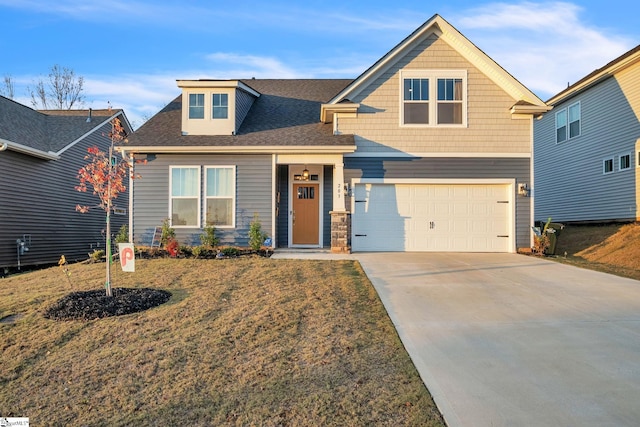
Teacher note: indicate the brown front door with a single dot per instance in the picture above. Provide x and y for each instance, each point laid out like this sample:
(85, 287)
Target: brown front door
(306, 214)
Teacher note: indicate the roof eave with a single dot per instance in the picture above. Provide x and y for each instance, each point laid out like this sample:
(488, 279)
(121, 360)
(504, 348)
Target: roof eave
(327, 111)
(267, 149)
(534, 110)
(597, 76)
(218, 84)
(14, 146)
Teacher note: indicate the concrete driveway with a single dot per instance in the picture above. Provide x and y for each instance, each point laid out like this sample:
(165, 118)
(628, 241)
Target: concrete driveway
(511, 340)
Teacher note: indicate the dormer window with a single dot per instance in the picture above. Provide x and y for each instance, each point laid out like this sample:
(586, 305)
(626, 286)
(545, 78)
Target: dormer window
(196, 106)
(220, 106)
(215, 107)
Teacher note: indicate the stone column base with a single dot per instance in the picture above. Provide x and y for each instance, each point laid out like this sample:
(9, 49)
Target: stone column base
(340, 232)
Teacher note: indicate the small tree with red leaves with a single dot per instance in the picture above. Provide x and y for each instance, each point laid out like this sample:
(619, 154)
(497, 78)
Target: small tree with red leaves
(105, 175)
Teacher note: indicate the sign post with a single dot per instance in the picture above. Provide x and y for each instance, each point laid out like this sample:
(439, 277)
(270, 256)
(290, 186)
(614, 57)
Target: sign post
(127, 257)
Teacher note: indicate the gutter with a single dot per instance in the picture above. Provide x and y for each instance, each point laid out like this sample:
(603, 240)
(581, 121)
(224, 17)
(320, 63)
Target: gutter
(4, 145)
(310, 149)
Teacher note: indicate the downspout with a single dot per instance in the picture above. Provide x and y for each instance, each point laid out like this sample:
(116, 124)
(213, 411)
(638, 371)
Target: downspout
(532, 191)
(131, 162)
(3, 146)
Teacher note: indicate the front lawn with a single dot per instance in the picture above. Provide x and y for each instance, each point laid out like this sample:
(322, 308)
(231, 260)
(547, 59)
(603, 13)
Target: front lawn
(247, 341)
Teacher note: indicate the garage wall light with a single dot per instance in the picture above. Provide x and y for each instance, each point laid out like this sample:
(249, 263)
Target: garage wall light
(523, 189)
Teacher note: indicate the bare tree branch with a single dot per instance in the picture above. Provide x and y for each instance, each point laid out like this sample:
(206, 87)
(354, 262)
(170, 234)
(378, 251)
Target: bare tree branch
(62, 91)
(8, 89)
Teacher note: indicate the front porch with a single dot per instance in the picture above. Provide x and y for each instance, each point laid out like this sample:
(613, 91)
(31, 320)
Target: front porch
(309, 203)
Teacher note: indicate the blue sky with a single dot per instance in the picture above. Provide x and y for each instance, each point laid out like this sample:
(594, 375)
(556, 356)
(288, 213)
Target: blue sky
(130, 52)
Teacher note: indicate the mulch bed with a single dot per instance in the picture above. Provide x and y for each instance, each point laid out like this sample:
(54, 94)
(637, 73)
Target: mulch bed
(88, 305)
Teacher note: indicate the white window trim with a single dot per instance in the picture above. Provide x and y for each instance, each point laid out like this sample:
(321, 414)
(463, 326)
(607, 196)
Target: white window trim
(433, 76)
(233, 197)
(579, 121)
(565, 112)
(171, 197)
(213, 106)
(566, 117)
(613, 165)
(204, 107)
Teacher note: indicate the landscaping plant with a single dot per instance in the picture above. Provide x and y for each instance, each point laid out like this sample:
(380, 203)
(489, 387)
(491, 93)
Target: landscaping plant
(256, 235)
(105, 176)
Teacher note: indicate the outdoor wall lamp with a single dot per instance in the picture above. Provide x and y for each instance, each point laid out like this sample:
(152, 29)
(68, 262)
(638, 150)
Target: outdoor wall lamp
(305, 174)
(523, 189)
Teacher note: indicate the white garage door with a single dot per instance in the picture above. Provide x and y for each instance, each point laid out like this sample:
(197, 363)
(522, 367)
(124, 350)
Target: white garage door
(432, 217)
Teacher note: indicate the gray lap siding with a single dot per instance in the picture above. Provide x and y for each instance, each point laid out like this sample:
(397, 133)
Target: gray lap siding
(253, 196)
(450, 168)
(39, 199)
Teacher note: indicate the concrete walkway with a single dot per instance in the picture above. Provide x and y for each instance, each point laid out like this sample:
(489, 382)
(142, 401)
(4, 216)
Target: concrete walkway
(511, 340)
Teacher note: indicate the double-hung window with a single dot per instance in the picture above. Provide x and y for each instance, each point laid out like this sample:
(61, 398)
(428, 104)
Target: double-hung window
(185, 196)
(196, 105)
(220, 195)
(450, 101)
(416, 101)
(220, 106)
(433, 98)
(568, 123)
(574, 120)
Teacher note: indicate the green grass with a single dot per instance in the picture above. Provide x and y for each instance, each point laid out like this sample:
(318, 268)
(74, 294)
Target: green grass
(248, 341)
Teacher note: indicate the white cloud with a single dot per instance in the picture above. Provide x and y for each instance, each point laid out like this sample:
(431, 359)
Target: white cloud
(234, 65)
(544, 45)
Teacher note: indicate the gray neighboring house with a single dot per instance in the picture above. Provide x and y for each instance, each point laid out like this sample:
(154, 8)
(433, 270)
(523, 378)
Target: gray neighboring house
(40, 155)
(429, 149)
(587, 149)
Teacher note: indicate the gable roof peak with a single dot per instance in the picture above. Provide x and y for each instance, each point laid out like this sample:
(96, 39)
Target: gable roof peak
(439, 26)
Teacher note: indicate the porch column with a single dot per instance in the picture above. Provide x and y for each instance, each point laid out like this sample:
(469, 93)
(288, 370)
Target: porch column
(338, 188)
(340, 218)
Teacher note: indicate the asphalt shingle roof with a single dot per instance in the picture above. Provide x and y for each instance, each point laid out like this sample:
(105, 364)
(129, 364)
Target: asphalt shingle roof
(287, 113)
(46, 130)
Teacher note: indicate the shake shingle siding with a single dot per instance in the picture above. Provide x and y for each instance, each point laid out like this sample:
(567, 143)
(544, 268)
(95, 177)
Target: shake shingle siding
(253, 195)
(569, 181)
(449, 168)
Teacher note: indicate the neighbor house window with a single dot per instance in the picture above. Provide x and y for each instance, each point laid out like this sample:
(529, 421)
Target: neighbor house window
(624, 161)
(561, 126)
(220, 190)
(196, 105)
(220, 105)
(433, 98)
(607, 166)
(568, 123)
(574, 120)
(185, 196)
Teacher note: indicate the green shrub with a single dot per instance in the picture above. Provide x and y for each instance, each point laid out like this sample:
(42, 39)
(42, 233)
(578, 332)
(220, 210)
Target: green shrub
(208, 238)
(256, 235)
(96, 255)
(197, 251)
(230, 251)
(168, 233)
(123, 234)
